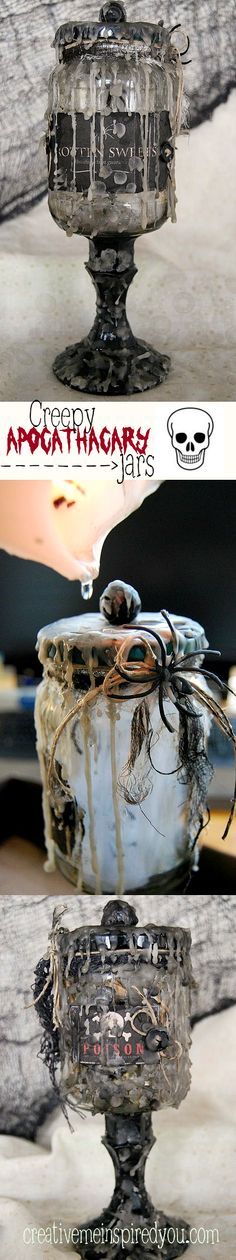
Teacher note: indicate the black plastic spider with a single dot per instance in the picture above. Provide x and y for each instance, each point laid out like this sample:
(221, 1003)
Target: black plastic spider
(169, 678)
(185, 50)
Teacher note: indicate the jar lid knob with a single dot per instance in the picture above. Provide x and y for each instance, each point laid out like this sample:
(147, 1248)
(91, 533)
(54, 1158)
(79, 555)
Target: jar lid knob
(118, 914)
(120, 603)
(112, 12)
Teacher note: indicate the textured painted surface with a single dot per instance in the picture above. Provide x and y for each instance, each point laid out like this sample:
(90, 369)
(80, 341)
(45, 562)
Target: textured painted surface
(129, 1140)
(111, 360)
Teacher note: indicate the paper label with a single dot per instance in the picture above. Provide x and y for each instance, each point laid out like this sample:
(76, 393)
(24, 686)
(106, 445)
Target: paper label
(110, 159)
(111, 1047)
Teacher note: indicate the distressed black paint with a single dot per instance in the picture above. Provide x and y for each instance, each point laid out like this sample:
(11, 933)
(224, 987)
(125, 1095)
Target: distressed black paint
(111, 360)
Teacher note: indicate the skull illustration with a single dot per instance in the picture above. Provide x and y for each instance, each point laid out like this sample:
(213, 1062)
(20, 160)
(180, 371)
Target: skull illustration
(190, 430)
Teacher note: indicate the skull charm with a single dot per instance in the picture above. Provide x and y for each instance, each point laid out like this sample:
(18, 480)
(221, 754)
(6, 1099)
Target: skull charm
(190, 429)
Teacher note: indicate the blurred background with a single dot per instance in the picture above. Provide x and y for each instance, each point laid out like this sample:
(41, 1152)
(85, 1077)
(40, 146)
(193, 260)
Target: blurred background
(179, 551)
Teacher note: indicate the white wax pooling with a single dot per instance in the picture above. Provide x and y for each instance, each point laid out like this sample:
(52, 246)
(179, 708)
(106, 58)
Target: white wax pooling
(64, 524)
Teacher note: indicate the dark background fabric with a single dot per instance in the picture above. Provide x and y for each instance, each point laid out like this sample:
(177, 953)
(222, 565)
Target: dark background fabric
(27, 31)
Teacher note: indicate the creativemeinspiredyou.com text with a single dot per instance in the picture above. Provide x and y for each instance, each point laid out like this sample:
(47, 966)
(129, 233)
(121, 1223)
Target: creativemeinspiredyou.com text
(58, 1234)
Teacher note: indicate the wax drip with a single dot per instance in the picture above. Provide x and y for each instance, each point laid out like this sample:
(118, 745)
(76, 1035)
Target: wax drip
(50, 862)
(119, 845)
(73, 150)
(92, 838)
(93, 71)
(144, 132)
(77, 856)
(56, 144)
(157, 162)
(101, 148)
(87, 589)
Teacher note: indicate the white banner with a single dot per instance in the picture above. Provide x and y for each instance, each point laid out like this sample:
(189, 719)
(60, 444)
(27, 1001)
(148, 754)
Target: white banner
(118, 440)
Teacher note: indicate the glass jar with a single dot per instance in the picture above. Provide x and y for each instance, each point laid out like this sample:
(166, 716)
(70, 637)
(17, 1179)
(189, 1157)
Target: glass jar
(111, 825)
(114, 1003)
(123, 1013)
(113, 115)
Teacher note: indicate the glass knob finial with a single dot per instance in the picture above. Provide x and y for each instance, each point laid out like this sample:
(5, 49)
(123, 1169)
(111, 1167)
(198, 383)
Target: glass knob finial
(118, 914)
(120, 603)
(112, 12)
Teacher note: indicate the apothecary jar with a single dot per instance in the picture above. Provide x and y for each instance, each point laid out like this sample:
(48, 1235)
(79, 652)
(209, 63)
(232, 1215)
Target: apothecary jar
(114, 112)
(122, 799)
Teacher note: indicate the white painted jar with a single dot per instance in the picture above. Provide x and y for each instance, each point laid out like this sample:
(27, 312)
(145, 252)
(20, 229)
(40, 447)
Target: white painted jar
(114, 112)
(98, 839)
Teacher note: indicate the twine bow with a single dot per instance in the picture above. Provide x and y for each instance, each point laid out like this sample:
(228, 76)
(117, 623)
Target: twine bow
(131, 679)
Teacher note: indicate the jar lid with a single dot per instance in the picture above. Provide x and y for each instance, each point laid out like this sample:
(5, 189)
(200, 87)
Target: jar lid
(101, 634)
(111, 26)
(119, 937)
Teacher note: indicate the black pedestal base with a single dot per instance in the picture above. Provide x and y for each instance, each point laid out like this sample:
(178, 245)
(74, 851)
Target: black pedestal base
(127, 371)
(131, 1225)
(110, 360)
(159, 1227)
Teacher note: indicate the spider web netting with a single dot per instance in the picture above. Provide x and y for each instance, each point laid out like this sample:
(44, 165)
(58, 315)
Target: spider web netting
(27, 31)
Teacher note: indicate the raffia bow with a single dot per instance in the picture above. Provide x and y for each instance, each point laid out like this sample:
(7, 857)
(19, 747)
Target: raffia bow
(174, 678)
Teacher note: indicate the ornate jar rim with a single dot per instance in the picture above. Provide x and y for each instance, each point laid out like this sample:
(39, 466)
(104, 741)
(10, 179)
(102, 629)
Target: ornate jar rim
(111, 27)
(119, 934)
(92, 630)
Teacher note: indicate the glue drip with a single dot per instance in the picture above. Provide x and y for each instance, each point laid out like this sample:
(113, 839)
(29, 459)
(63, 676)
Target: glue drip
(87, 589)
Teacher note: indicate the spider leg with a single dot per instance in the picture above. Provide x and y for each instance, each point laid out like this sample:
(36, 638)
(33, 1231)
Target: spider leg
(175, 636)
(231, 814)
(158, 638)
(127, 674)
(187, 692)
(206, 673)
(177, 28)
(179, 681)
(191, 656)
(136, 695)
(162, 711)
(189, 669)
(187, 712)
(209, 703)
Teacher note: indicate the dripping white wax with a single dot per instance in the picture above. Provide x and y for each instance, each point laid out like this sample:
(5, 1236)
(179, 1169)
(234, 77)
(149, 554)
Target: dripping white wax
(130, 85)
